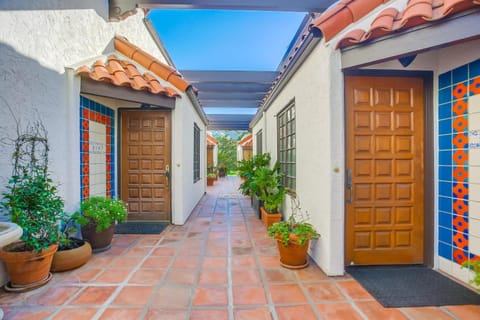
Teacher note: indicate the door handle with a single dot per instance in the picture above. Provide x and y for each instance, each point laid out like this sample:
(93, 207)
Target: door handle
(167, 174)
(348, 185)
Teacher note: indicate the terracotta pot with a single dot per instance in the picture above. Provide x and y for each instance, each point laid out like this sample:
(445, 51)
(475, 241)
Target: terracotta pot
(210, 181)
(69, 259)
(25, 267)
(293, 256)
(268, 218)
(99, 241)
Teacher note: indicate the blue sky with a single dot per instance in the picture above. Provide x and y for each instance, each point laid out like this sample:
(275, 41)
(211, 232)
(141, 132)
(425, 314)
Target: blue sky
(225, 40)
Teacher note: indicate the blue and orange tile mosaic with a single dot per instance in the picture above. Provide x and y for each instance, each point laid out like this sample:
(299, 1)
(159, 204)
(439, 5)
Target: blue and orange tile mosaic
(455, 88)
(91, 111)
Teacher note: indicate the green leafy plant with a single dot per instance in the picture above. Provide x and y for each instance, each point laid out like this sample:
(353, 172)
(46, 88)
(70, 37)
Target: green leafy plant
(295, 229)
(212, 175)
(247, 169)
(101, 211)
(31, 198)
(268, 183)
(65, 238)
(474, 265)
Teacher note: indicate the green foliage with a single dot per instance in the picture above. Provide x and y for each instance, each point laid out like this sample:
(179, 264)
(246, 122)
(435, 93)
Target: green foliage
(212, 175)
(227, 151)
(296, 228)
(474, 265)
(247, 169)
(101, 211)
(268, 182)
(30, 198)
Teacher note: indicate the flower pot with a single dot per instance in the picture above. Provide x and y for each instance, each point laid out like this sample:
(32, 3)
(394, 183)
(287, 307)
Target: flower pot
(293, 256)
(99, 241)
(210, 181)
(268, 218)
(26, 268)
(9, 232)
(69, 259)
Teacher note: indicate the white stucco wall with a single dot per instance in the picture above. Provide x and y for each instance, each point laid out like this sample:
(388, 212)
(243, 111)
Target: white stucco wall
(317, 91)
(37, 49)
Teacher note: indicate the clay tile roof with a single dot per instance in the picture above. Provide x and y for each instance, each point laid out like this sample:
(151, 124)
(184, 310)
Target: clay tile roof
(333, 21)
(246, 141)
(149, 62)
(417, 12)
(211, 141)
(122, 73)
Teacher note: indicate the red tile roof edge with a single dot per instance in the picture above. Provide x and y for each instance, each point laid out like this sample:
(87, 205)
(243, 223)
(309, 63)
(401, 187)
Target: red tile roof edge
(333, 21)
(211, 141)
(417, 12)
(149, 62)
(246, 141)
(123, 73)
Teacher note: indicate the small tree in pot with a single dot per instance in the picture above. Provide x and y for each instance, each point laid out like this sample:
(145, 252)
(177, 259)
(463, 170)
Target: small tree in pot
(97, 218)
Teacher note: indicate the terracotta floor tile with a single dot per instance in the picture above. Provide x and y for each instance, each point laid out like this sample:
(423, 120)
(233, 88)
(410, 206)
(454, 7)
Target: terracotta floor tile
(209, 314)
(99, 261)
(324, 292)
(125, 262)
(93, 296)
(465, 312)
(246, 295)
(427, 313)
(354, 290)
(250, 314)
(287, 293)
(279, 275)
(29, 314)
(121, 313)
(243, 262)
(164, 251)
(55, 296)
(312, 273)
(190, 252)
(137, 252)
(147, 276)
(246, 276)
(177, 276)
(214, 262)
(157, 262)
(186, 262)
(375, 311)
(303, 312)
(213, 277)
(82, 276)
(148, 242)
(75, 313)
(172, 298)
(113, 276)
(214, 296)
(216, 251)
(267, 251)
(157, 314)
(270, 261)
(133, 296)
(339, 311)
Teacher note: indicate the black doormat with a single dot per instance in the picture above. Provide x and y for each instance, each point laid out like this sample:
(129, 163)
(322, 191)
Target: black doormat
(140, 227)
(411, 286)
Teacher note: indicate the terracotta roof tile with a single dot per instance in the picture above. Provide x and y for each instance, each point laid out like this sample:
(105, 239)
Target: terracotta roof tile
(122, 73)
(416, 13)
(246, 141)
(333, 21)
(149, 62)
(211, 141)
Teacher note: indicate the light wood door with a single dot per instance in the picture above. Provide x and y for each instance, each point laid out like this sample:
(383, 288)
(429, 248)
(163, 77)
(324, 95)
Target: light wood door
(145, 161)
(385, 187)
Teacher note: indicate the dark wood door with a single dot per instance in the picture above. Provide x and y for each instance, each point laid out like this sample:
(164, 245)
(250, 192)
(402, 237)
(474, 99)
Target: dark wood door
(145, 162)
(384, 158)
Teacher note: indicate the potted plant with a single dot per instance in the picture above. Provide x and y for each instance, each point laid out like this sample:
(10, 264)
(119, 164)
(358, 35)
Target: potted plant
(474, 265)
(97, 220)
(72, 252)
(31, 201)
(271, 192)
(211, 177)
(293, 238)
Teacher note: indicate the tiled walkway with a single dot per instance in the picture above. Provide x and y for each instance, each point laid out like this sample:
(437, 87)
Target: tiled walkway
(220, 265)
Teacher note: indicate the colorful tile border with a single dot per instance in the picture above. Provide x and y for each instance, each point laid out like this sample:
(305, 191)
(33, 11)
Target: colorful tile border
(93, 111)
(455, 88)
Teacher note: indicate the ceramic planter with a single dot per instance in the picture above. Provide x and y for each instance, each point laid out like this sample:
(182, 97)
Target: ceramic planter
(70, 259)
(269, 219)
(99, 241)
(27, 269)
(210, 181)
(293, 256)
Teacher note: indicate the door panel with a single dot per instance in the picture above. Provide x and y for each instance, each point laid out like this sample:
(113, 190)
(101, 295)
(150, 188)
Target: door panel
(385, 143)
(145, 155)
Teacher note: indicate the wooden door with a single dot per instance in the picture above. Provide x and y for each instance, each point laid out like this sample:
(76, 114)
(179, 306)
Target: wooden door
(145, 164)
(384, 158)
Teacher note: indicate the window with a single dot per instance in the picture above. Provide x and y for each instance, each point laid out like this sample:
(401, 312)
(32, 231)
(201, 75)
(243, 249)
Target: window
(286, 145)
(259, 142)
(196, 153)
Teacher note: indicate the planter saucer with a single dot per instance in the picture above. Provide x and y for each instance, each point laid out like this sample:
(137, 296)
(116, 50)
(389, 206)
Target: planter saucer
(288, 266)
(9, 287)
